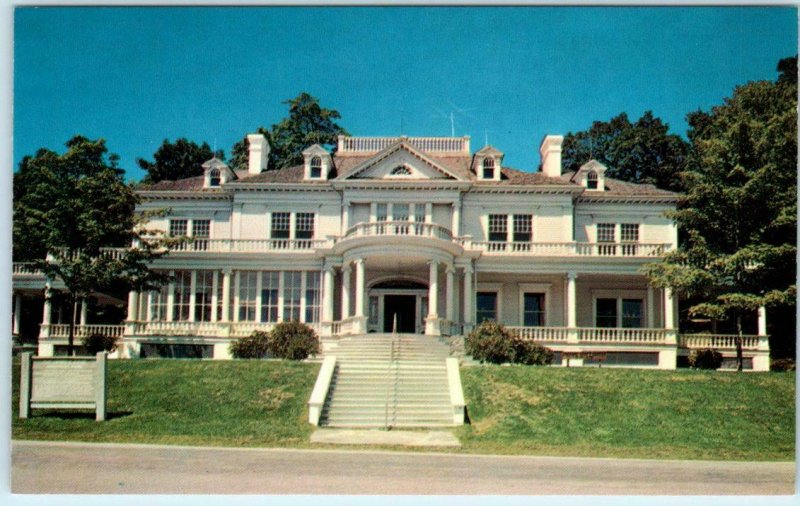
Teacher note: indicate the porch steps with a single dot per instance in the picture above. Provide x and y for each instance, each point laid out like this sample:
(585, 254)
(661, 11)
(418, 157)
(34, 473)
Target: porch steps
(386, 380)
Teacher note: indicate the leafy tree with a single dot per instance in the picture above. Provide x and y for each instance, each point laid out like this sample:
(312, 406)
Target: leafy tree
(739, 214)
(72, 207)
(308, 123)
(640, 152)
(177, 160)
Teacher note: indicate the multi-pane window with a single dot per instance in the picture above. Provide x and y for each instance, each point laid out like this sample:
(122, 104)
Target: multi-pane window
(629, 234)
(201, 231)
(498, 227)
(248, 289)
(373, 310)
(270, 284)
(533, 310)
(292, 293)
(486, 306)
(632, 312)
(313, 294)
(400, 212)
(488, 168)
(304, 226)
(606, 313)
(316, 167)
(591, 180)
(158, 305)
(381, 212)
(178, 228)
(203, 290)
(402, 170)
(214, 177)
(605, 232)
(183, 293)
(523, 227)
(280, 225)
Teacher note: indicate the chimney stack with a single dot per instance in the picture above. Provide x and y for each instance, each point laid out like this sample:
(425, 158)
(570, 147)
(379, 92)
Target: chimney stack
(551, 155)
(258, 155)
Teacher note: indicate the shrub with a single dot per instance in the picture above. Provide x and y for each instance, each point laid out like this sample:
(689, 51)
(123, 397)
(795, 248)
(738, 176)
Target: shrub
(95, 343)
(293, 340)
(490, 342)
(782, 365)
(531, 353)
(705, 359)
(252, 346)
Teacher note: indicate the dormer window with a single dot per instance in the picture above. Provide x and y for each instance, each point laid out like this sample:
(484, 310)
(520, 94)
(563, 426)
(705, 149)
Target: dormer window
(214, 177)
(591, 180)
(401, 170)
(488, 168)
(316, 163)
(316, 167)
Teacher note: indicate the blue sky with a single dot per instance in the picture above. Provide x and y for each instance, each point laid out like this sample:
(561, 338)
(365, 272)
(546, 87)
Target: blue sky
(136, 76)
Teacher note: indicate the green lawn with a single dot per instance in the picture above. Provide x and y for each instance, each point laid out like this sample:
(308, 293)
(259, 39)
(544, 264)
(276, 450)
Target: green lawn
(514, 410)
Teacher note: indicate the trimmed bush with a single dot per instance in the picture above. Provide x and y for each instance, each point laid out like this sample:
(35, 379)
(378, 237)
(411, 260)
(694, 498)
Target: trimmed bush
(782, 365)
(95, 343)
(490, 342)
(705, 359)
(253, 346)
(293, 340)
(531, 353)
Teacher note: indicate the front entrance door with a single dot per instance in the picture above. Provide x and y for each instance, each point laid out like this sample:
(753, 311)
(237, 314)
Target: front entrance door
(405, 307)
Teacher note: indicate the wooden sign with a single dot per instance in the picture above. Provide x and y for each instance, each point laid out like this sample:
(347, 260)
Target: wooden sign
(63, 382)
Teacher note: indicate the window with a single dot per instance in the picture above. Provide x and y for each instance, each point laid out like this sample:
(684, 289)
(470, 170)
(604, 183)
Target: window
(373, 310)
(487, 306)
(400, 212)
(292, 293)
(214, 177)
(304, 226)
(591, 180)
(203, 289)
(533, 310)
(381, 212)
(316, 167)
(488, 168)
(269, 296)
(606, 315)
(280, 225)
(312, 297)
(178, 228)
(402, 170)
(632, 310)
(498, 227)
(606, 234)
(183, 291)
(248, 289)
(158, 306)
(201, 231)
(629, 234)
(523, 227)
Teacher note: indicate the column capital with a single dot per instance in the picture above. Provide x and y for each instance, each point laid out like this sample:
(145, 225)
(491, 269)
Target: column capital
(433, 261)
(450, 269)
(346, 267)
(359, 261)
(572, 275)
(227, 270)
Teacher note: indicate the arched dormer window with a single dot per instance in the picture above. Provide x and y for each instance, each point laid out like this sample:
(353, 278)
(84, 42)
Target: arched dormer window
(316, 167)
(401, 170)
(488, 168)
(591, 180)
(214, 177)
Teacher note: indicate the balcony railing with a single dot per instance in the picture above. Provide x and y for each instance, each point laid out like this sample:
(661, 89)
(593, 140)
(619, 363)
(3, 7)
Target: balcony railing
(114, 253)
(723, 341)
(582, 249)
(620, 335)
(428, 144)
(402, 228)
(249, 245)
(549, 334)
(25, 269)
(61, 330)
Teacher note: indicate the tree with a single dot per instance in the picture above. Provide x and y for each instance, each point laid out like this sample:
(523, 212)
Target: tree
(641, 152)
(75, 208)
(739, 213)
(177, 160)
(308, 123)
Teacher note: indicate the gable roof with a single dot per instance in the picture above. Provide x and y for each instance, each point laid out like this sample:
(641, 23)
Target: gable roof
(358, 167)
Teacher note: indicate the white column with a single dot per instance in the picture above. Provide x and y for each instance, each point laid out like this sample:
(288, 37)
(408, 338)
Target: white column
(762, 321)
(133, 306)
(669, 310)
(468, 296)
(214, 297)
(226, 295)
(149, 311)
(236, 280)
(192, 294)
(428, 212)
(345, 217)
(17, 312)
(346, 278)
(650, 316)
(170, 297)
(47, 310)
(450, 296)
(360, 287)
(84, 307)
(457, 219)
(373, 213)
(433, 290)
(572, 320)
(327, 294)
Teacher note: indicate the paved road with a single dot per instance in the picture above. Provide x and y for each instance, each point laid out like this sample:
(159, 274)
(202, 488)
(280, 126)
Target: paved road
(41, 467)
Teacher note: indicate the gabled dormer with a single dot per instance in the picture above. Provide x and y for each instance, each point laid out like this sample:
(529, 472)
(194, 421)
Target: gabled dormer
(317, 163)
(216, 173)
(487, 163)
(591, 175)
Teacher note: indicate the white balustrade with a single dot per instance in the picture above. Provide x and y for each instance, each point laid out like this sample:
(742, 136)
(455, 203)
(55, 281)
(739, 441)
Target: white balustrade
(428, 144)
(25, 268)
(402, 228)
(61, 330)
(718, 341)
(622, 335)
(250, 245)
(549, 334)
(566, 248)
(450, 328)
(114, 253)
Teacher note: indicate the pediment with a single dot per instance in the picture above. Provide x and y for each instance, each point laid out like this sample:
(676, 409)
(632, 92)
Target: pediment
(400, 162)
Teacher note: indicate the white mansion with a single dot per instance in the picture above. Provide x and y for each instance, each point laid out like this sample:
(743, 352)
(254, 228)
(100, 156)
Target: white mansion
(414, 232)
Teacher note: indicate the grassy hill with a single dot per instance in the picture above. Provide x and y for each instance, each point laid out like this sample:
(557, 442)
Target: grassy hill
(514, 410)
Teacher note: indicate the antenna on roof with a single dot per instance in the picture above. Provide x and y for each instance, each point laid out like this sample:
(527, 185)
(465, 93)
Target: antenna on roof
(452, 125)
(401, 121)
(485, 137)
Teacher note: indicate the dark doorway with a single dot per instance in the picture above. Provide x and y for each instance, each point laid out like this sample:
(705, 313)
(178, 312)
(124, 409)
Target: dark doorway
(405, 307)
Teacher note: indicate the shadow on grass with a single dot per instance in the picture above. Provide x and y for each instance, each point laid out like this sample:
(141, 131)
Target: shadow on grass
(80, 415)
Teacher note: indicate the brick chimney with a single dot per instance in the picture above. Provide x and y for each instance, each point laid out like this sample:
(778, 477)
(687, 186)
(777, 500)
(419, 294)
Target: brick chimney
(551, 155)
(259, 154)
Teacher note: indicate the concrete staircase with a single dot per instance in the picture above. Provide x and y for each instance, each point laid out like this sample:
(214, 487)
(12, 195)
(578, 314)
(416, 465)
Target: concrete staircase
(389, 380)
